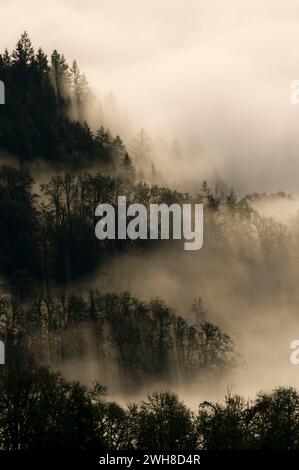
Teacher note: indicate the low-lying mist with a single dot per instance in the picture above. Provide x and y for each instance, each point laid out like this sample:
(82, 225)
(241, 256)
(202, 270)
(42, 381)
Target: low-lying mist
(210, 83)
(249, 289)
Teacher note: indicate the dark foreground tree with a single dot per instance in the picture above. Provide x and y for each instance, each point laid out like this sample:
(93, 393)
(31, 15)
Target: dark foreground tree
(162, 423)
(274, 420)
(40, 410)
(271, 421)
(223, 425)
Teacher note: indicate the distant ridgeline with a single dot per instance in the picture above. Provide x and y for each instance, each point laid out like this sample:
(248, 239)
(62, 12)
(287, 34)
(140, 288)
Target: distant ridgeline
(44, 115)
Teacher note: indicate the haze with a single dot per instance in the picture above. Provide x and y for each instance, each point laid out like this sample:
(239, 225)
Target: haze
(215, 75)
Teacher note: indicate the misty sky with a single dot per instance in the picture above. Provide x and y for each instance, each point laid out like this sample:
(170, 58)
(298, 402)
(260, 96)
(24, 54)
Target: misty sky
(215, 74)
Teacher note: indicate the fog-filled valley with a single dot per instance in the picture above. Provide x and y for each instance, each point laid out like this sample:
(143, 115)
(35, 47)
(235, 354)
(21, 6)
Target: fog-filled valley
(104, 323)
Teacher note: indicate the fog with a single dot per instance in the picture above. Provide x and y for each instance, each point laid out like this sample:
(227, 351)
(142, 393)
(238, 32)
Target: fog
(215, 75)
(283, 210)
(255, 301)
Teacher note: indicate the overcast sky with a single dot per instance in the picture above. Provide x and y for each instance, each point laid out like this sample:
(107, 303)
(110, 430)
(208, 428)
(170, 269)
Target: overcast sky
(216, 74)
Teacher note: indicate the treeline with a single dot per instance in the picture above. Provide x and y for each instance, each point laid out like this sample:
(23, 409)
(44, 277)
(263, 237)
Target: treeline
(147, 341)
(44, 114)
(47, 234)
(39, 410)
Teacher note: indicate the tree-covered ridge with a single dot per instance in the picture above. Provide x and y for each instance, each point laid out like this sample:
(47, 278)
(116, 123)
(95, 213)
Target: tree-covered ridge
(47, 233)
(49, 241)
(148, 341)
(44, 114)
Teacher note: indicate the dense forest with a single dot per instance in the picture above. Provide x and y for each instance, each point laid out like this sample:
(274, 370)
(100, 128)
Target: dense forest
(48, 247)
(39, 410)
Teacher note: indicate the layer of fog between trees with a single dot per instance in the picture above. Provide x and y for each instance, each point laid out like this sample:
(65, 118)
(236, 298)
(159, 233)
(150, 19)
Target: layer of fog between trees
(260, 318)
(255, 302)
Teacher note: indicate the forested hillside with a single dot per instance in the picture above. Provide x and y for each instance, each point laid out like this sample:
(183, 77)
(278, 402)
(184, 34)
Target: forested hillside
(42, 95)
(48, 240)
(48, 248)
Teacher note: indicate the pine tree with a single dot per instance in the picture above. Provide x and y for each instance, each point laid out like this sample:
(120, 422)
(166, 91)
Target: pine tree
(41, 63)
(24, 52)
(5, 61)
(103, 137)
(140, 147)
(127, 167)
(60, 74)
(118, 149)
